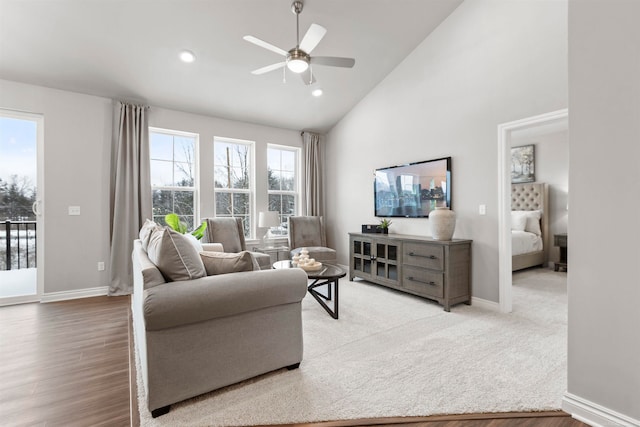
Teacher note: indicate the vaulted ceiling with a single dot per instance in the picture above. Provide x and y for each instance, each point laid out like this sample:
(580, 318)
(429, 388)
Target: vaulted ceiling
(128, 49)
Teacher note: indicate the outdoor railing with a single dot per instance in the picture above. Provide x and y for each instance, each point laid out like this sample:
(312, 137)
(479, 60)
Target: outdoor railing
(18, 242)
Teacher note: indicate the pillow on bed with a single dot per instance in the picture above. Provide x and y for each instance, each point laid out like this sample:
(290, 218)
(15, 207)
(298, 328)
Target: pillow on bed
(518, 221)
(532, 221)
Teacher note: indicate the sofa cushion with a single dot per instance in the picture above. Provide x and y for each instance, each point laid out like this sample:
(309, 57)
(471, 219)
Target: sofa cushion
(174, 255)
(223, 263)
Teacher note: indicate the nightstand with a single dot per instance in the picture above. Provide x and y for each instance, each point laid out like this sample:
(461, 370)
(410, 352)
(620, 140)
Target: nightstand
(561, 240)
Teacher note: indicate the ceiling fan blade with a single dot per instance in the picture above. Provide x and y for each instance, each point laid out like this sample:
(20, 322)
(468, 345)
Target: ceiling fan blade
(333, 61)
(307, 77)
(268, 68)
(265, 45)
(315, 33)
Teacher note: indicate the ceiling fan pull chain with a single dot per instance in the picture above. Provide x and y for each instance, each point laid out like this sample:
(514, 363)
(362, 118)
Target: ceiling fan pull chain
(284, 74)
(310, 74)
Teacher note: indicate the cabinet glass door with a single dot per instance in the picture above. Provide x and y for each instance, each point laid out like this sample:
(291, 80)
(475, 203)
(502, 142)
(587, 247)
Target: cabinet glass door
(386, 258)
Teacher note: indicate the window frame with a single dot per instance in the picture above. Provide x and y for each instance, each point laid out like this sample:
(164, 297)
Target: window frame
(196, 170)
(251, 191)
(296, 192)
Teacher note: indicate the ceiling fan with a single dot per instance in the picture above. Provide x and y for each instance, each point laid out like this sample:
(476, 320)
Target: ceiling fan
(298, 59)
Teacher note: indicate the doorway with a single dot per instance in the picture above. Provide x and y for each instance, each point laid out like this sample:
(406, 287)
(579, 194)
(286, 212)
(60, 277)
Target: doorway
(21, 207)
(505, 136)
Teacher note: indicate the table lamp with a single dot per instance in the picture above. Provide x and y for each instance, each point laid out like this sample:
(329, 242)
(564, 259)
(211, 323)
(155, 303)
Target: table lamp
(268, 220)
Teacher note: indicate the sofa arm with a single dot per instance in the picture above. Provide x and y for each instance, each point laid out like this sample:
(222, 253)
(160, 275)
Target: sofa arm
(181, 303)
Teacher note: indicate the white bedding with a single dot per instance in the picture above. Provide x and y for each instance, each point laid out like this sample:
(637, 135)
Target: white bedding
(523, 242)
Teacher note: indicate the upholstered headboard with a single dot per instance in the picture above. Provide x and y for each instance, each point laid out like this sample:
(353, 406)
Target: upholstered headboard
(533, 196)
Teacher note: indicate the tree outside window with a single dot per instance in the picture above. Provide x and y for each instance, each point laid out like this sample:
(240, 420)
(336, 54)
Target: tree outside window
(282, 174)
(233, 168)
(173, 183)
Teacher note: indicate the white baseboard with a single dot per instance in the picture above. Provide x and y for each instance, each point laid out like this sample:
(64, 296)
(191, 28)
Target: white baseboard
(593, 414)
(485, 303)
(80, 293)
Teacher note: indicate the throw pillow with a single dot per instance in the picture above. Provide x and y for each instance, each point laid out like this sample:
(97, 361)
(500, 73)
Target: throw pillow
(145, 232)
(526, 221)
(533, 222)
(194, 241)
(518, 221)
(173, 254)
(223, 263)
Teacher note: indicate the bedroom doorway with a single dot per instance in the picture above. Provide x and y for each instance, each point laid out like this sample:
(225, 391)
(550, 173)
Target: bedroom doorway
(506, 134)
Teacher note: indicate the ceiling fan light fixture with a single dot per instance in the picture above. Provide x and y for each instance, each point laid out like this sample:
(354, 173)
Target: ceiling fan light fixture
(297, 60)
(298, 65)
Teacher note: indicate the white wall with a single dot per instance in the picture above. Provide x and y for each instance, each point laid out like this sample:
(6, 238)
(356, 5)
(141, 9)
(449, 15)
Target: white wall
(489, 62)
(77, 139)
(604, 177)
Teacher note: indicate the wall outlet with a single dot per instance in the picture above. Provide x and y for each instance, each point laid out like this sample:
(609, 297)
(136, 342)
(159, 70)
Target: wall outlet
(101, 266)
(482, 209)
(74, 210)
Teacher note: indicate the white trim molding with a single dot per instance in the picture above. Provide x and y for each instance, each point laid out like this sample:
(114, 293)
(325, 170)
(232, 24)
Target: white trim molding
(485, 303)
(593, 414)
(80, 293)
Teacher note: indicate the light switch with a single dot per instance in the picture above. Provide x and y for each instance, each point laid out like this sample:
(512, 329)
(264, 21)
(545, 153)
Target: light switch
(74, 210)
(482, 209)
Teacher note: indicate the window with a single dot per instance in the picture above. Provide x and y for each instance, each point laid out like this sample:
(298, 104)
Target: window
(173, 174)
(233, 185)
(282, 173)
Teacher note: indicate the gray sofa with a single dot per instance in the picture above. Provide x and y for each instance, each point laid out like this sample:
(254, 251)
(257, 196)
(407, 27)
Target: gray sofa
(198, 335)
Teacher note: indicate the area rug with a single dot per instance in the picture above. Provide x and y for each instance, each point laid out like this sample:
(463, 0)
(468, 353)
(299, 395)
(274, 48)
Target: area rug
(391, 355)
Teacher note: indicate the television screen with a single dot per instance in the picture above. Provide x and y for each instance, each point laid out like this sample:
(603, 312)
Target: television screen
(413, 190)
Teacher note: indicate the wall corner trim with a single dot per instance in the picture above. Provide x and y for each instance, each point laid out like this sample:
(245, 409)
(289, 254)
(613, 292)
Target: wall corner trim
(593, 414)
(76, 294)
(485, 303)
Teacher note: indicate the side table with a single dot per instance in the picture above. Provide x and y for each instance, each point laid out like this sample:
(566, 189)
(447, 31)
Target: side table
(561, 240)
(277, 253)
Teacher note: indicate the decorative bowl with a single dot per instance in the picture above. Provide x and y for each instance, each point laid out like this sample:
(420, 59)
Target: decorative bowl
(311, 267)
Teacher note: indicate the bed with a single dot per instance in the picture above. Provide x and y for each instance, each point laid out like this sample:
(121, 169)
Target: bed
(529, 225)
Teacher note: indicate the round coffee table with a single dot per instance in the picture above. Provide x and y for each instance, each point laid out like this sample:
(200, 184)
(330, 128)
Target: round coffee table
(328, 275)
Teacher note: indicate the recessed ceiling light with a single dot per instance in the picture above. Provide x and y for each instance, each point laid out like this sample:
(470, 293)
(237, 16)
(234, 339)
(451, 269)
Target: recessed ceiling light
(187, 56)
(316, 92)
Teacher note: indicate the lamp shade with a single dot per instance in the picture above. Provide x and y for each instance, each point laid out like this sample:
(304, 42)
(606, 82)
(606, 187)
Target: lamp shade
(269, 219)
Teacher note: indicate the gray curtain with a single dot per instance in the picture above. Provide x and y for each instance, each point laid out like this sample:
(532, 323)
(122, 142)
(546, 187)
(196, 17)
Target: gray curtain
(313, 164)
(130, 191)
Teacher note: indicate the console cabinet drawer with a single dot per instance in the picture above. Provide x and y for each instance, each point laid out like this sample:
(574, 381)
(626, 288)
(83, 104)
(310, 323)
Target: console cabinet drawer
(424, 255)
(425, 282)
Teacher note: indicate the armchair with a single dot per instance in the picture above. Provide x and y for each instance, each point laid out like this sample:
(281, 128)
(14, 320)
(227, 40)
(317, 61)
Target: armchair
(229, 232)
(308, 232)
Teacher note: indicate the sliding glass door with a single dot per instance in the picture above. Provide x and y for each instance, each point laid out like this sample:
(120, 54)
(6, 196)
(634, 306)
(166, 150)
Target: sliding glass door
(21, 208)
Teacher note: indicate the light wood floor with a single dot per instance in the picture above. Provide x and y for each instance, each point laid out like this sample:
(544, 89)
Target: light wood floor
(67, 364)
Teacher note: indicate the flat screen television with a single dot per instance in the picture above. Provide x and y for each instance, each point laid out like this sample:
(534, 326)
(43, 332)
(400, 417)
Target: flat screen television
(413, 190)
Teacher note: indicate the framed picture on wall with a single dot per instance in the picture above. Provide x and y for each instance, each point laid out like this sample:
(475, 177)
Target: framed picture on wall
(523, 164)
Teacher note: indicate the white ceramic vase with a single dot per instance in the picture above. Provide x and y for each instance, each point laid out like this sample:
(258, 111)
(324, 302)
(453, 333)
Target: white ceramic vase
(442, 222)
